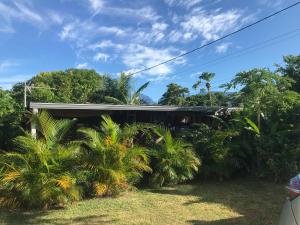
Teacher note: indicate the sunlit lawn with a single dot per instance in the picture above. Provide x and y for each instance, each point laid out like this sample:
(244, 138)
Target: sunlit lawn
(211, 203)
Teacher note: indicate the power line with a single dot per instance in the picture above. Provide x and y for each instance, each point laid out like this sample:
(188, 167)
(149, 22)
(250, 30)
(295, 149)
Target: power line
(251, 48)
(219, 39)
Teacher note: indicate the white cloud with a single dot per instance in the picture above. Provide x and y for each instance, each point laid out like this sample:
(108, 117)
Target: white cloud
(82, 32)
(138, 57)
(180, 36)
(146, 13)
(159, 26)
(212, 25)
(20, 12)
(28, 14)
(101, 57)
(156, 33)
(272, 3)
(56, 17)
(6, 28)
(82, 65)
(110, 30)
(183, 3)
(96, 5)
(23, 11)
(222, 48)
(6, 64)
(106, 44)
(7, 13)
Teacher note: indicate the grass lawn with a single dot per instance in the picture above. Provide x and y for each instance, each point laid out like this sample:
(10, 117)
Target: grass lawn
(211, 203)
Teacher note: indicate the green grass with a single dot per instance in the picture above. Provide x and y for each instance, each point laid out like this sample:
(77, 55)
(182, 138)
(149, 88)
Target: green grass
(211, 203)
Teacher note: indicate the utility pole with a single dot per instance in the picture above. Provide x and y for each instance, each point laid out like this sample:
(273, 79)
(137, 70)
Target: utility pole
(29, 88)
(25, 94)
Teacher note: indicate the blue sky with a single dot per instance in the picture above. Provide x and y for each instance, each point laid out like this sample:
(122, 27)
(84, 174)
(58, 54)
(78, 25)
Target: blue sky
(119, 35)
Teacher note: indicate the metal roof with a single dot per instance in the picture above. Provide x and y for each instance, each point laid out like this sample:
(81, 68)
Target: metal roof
(108, 107)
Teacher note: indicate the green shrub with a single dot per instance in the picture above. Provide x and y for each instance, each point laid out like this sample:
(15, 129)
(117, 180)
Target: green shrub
(172, 160)
(277, 148)
(110, 162)
(39, 173)
(10, 119)
(218, 149)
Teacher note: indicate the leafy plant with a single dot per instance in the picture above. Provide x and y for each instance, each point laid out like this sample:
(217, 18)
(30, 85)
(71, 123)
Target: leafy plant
(217, 149)
(175, 95)
(110, 160)
(126, 96)
(40, 172)
(173, 161)
(10, 118)
(207, 77)
(277, 150)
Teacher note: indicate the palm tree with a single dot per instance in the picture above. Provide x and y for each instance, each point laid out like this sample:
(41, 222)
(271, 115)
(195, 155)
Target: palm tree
(110, 160)
(173, 160)
(126, 96)
(40, 172)
(207, 77)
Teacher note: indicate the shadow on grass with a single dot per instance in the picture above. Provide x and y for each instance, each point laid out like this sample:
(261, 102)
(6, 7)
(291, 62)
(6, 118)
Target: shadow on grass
(233, 221)
(257, 203)
(39, 217)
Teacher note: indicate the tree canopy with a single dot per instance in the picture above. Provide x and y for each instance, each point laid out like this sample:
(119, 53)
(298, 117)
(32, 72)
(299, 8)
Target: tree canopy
(291, 69)
(260, 89)
(6, 104)
(175, 95)
(124, 92)
(69, 86)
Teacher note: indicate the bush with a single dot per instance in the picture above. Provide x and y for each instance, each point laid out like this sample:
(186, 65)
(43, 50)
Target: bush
(277, 148)
(40, 172)
(10, 119)
(110, 162)
(216, 148)
(172, 160)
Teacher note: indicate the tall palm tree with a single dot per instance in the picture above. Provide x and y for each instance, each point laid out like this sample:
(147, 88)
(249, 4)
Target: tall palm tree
(207, 77)
(126, 95)
(110, 160)
(173, 160)
(40, 172)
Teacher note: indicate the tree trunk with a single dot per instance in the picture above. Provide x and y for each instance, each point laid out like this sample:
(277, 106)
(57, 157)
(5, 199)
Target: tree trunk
(209, 93)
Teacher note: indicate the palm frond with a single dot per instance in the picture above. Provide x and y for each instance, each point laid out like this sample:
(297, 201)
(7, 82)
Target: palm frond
(175, 161)
(253, 126)
(113, 100)
(65, 182)
(136, 95)
(110, 128)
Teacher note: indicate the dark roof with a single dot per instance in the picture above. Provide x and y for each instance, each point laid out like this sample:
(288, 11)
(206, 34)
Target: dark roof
(108, 107)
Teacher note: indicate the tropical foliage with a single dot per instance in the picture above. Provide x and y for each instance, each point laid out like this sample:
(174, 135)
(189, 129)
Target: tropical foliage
(291, 69)
(63, 163)
(110, 161)
(173, 160)
(125, 95)
(10, 118)
(268, 101)
(175, 95)
(72, 85)
(40, 172)
(217, 149)
(52, 169)
(205, 77)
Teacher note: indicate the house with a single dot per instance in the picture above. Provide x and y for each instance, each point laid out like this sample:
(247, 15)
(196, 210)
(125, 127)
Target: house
(171, 116)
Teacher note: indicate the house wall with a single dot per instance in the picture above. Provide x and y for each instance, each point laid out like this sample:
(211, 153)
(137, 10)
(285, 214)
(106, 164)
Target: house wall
(170, 119)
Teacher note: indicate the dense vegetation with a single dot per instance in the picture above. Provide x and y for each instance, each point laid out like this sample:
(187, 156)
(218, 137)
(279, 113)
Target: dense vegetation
(54, 168)
(65, 164)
